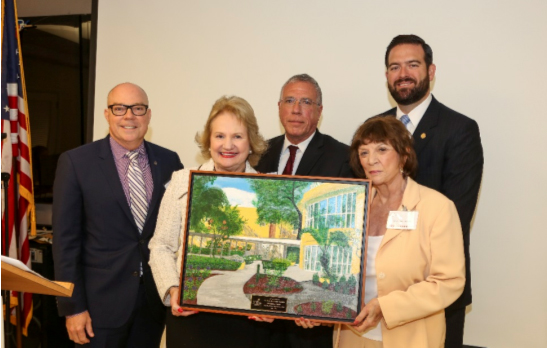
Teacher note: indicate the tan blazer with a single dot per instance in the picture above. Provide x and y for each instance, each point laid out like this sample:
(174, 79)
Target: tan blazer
(420, 272)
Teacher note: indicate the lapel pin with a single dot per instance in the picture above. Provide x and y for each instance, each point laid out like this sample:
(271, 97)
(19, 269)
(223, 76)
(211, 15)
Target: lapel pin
(156, 163)
(422, 136)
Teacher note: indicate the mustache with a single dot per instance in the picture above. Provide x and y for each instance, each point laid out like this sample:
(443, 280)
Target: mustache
(406, 79)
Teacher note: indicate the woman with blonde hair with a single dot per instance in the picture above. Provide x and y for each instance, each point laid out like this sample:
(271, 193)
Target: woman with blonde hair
(230, 142)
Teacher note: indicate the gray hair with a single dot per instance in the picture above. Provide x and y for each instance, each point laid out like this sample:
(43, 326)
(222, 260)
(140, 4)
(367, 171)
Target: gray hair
(305, 78)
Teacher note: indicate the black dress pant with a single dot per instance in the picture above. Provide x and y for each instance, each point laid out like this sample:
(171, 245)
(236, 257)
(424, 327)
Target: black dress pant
(204, 330)
(141, 330)
(455, 320)
(285, 333)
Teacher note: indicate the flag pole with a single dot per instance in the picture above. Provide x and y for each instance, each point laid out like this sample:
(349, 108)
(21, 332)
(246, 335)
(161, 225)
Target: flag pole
(5, 250)
(6, 294)
(31, 209)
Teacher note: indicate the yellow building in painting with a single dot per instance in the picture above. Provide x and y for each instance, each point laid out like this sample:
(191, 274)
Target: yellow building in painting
(253, 229)
(334, 205)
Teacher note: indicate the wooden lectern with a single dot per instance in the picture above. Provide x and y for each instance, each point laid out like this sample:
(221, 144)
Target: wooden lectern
(16, 279)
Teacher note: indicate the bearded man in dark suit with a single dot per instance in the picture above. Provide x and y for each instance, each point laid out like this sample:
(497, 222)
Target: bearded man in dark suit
(312, 154)
(106, 200)
(447, 144)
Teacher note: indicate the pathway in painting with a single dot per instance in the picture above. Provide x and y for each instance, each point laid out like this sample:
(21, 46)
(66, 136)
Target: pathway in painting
(226, 288)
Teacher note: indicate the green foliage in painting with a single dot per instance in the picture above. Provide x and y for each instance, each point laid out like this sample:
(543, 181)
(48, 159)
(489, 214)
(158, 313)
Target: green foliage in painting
(203, 262)
(276, 267)
(315, 278)
(227, 222)
(326, 307)
(293, 254)
(326, 238)
(205, 200)
(339, 306)
(211, 212)
(352, 282)
(276, 202)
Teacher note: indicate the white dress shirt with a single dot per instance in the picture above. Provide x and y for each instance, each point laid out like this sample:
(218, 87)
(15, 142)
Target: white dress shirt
(416, 114)
(285, 153)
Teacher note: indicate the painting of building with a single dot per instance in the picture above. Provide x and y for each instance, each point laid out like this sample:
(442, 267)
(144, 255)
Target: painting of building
(271, 244)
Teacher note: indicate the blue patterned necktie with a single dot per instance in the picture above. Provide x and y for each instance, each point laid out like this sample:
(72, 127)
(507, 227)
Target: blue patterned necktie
(406, 120)
(137, 190)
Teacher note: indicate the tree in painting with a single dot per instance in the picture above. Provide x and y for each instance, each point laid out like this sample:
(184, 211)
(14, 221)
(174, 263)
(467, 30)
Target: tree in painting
(326, 238)
(212, 213)
(205, 201)
(276, 202)
(223, 223)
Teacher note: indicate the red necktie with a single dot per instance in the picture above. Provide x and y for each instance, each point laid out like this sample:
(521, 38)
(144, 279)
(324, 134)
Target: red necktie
(290, 162)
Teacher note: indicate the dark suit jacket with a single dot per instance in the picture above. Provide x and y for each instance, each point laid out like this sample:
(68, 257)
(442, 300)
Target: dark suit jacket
(96, 243)
(450, 160)
(324, 156)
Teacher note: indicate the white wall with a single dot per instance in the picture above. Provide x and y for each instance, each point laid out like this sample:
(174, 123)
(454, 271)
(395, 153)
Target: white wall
(490, 58)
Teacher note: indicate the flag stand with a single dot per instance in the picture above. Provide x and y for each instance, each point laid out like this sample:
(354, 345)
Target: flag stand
(17, 162)
(5, 251)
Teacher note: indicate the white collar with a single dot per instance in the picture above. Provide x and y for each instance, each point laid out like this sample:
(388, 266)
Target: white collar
(210, 166)
(418, 112)
(302, 146)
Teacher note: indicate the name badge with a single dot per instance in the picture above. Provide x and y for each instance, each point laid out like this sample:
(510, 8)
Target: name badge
(402, 220)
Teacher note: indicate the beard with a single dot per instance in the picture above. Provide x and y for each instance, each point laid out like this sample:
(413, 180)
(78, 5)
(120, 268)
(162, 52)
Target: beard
(407, 96)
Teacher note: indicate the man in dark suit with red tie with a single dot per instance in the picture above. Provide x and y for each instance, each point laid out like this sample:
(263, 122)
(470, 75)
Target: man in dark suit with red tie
(303, 150)
(310, 152)
(106, 200)
(447, 144)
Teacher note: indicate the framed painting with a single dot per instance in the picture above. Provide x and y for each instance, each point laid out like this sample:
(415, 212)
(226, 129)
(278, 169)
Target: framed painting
(275, 246)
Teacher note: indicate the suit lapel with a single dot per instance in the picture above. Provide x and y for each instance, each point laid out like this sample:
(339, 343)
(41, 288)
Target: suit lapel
(108, 167)
(271, 158)
(426, 127)
(156, 177)
(312, 154)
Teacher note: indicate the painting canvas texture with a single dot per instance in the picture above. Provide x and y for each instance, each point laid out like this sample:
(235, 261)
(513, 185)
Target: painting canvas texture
(277, 246)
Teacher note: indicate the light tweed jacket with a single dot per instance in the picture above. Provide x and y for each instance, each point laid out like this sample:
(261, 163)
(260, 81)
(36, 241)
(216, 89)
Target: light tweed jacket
(166, 245)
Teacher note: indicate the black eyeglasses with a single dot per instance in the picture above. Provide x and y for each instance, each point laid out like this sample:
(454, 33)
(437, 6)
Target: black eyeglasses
(121, 109)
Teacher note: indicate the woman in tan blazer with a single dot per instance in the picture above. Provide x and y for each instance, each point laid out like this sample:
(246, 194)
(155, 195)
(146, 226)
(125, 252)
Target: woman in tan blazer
(418, 265)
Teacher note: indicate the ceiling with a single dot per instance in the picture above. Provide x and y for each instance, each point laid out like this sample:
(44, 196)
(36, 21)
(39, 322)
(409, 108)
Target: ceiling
(39, 8)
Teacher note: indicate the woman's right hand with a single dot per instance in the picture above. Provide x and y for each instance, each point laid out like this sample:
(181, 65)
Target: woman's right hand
(175, 308)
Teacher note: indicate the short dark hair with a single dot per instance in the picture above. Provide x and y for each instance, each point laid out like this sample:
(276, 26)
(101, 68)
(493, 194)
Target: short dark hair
(412, 40)
(308, 79)
(385, 129)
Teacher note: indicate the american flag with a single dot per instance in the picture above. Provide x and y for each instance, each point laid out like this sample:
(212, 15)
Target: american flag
(16, 152)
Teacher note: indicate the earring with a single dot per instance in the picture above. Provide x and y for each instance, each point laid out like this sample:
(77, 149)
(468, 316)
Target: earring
(250, 152)
(401, 169)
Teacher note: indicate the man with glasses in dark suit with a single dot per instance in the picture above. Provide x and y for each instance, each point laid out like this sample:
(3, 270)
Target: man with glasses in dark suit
(303, 150)
(106, 200)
